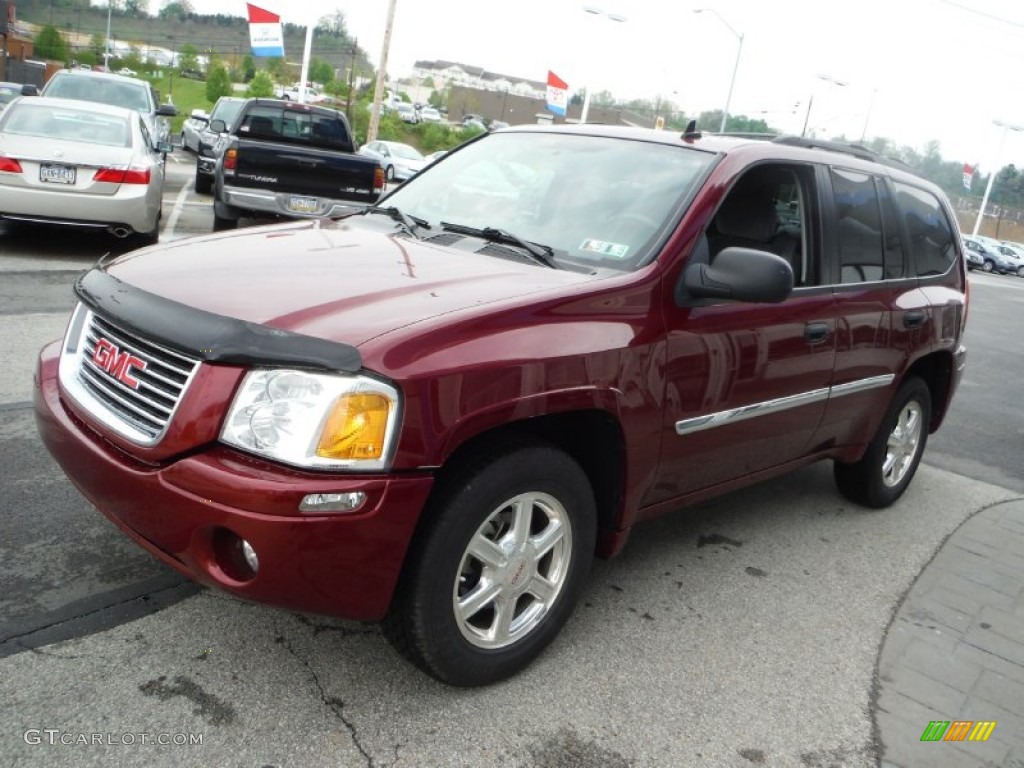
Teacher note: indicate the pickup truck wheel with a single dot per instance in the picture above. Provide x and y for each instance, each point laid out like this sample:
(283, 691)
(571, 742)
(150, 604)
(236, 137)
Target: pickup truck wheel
(888, 466)
(224, 216)
(491, 581)
(203, 184)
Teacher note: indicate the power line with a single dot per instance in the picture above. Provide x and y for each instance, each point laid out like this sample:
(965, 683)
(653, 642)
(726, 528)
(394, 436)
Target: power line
(993, 17)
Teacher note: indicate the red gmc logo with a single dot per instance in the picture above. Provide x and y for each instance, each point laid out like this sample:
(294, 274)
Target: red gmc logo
(117, 363)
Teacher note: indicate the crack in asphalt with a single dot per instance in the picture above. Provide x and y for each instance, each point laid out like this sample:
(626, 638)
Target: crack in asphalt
(336, 705)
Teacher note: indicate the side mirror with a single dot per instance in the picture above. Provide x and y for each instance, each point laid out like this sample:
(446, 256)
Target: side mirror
(738, 274)
(29, 90)
(163, 147)
(218, 126)
(167, 110)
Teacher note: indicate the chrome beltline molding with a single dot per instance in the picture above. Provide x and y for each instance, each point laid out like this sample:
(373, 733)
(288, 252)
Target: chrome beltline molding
(699, 423)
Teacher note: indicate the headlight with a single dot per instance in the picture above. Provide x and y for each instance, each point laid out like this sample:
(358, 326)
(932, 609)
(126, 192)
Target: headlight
(315, 420)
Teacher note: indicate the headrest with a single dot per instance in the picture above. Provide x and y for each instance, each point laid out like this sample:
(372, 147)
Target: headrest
(748, 213)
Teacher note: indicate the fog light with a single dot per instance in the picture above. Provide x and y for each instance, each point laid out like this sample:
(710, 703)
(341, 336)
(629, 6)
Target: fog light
(316, 503)
(250, 556)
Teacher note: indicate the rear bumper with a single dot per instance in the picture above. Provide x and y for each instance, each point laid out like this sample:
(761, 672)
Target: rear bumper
(281, 203)
(183, 512)
(129, 206)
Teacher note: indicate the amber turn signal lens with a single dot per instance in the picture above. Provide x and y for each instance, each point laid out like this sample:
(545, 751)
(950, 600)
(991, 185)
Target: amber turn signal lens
(356, 428)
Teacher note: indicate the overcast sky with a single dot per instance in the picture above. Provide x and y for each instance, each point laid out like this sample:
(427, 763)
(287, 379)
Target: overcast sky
(924, 69)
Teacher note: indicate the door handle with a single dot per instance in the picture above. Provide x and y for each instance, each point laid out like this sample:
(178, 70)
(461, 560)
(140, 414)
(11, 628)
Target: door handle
(815, 333)
(914, 318)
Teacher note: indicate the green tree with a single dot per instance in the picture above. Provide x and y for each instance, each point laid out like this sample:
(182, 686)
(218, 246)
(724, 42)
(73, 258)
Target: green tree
(277, 67)
(188, 58)
(137, 8)
(248, 68)
(50, 45)
(98, 44)
(260, 86)
(218, 83)
(333, 25)
(321, 71)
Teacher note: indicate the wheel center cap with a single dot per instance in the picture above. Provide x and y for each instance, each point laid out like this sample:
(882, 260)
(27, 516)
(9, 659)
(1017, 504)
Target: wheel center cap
(517, 574)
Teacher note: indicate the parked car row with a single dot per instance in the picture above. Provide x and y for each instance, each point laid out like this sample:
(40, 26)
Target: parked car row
(991, 255)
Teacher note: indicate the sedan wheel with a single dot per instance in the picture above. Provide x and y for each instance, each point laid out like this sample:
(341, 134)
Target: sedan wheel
(390, 173)
(495, 574)
(988, 266)
(1020, 271)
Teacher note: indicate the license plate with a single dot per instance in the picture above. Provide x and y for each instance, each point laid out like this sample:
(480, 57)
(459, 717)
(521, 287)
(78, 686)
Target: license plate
(57, 174)
(299, 204)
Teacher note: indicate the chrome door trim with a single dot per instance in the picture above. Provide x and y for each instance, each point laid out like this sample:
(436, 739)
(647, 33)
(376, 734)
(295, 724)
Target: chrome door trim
(699, 423)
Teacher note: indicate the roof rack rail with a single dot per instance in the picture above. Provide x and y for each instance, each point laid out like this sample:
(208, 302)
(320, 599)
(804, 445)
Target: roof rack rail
(846, 148)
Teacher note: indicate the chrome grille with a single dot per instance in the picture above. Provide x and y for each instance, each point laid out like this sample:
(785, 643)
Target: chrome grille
(130, 384)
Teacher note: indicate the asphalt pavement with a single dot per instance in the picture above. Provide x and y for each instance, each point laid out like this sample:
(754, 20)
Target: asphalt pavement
(776, 626)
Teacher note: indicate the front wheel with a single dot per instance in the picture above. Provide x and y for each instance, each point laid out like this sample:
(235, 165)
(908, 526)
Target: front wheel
(889, 464)
(1020, 271)
(499, 568)
(988, 266)
(390, 173)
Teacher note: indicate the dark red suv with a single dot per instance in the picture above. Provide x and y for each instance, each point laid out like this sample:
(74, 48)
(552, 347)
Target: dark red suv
(435, 413)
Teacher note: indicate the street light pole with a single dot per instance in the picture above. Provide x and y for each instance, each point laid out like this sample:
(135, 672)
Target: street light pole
(735, 68)
(992, 176)
(611, 17)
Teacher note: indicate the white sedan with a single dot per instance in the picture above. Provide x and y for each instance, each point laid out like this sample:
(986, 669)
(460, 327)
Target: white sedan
(399, 161)
(81, 164)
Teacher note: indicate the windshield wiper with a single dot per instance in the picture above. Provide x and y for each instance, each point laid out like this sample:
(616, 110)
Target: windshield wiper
(542, 254)
(411, 223)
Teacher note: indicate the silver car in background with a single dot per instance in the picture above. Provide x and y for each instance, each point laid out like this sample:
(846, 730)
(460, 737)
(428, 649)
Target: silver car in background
(117, 90)
(81, 164)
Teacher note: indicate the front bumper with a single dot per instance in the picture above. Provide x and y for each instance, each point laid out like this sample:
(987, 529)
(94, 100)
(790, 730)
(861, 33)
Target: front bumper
(184, 511)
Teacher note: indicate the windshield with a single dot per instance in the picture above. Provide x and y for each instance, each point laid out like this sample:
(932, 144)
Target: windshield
(30, 118)
(227, 111)
(117, 93)
(597, 201)
(404, 151)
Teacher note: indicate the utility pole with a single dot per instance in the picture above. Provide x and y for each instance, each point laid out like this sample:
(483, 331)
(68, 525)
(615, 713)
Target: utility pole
(351, 78)
(378, 92)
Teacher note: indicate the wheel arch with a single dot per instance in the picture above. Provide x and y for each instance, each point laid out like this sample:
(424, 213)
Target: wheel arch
(937, 371)
(593, 437)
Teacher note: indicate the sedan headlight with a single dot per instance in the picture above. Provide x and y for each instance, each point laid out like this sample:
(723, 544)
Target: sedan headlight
(314, 420)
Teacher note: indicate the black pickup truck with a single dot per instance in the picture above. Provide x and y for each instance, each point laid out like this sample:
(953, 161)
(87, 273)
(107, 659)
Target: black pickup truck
(282, 159)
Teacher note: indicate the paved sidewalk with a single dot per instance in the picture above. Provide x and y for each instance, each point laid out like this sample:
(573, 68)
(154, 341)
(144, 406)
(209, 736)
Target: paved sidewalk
(955, 651)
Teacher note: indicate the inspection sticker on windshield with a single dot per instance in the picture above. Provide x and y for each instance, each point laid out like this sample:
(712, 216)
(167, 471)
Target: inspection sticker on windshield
(614, 250)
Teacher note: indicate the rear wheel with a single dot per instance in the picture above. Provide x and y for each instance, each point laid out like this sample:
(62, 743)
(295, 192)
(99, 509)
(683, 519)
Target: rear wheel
(889, 464)
(491, 581)
(224, 217)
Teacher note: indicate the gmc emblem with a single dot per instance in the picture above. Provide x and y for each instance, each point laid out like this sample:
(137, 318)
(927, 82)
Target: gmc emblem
(117, 363)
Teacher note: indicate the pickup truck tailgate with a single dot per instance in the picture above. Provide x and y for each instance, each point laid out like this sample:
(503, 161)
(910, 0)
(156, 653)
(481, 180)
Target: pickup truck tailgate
(304, 170)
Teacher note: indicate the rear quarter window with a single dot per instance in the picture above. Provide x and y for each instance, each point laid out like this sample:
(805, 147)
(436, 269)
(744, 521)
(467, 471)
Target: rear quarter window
(931, 235)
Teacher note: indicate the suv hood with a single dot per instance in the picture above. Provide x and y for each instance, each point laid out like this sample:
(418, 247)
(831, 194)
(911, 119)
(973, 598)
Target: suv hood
(345, 282)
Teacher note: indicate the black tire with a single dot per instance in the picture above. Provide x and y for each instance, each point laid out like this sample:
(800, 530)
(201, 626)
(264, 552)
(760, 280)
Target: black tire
(535, 484)
(1020, 271)
(390, 173)
(899, 442)
(142, 239)
(988, 266)
(203, 184)
(225, 216)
